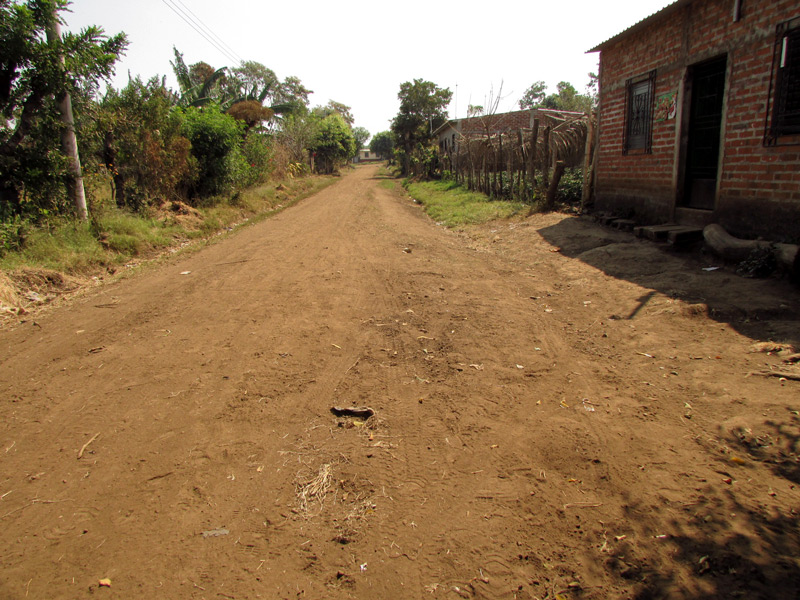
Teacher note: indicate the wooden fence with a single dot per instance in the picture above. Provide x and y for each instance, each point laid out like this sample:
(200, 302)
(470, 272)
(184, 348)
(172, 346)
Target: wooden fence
(526, 164)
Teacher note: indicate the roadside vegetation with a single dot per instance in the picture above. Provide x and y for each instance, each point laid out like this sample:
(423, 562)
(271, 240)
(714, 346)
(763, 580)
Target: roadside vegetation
(114, 236)
(155, 167)
(452, 205)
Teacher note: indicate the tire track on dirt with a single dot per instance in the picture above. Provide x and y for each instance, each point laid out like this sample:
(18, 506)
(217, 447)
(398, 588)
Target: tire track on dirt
(483, 473)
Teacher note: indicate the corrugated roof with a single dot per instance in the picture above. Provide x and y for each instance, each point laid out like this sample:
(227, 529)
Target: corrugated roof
(657, 16)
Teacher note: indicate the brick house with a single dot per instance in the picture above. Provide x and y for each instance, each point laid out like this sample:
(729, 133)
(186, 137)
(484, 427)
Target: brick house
(699, 118)
(511, 122)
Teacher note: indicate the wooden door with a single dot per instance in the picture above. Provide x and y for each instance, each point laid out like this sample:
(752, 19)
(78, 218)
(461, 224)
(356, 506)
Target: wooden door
(705, 123)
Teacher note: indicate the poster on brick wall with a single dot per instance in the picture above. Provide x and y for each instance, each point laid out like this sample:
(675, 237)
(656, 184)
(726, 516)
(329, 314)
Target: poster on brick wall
(666, 106)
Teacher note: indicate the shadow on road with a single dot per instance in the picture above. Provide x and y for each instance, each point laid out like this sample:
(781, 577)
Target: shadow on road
(715, 548)
(762, 309)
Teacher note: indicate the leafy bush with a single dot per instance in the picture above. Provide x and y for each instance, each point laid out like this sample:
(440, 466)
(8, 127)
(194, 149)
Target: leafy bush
(215, 138)
(12, 234)
(257, 153)
(33, 176)
(570, 188)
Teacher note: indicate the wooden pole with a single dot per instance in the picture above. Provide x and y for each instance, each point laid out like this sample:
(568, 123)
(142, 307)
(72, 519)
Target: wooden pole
(523, 172)
(586, 192)
(546, 148)
(534, 144)
(550, 200)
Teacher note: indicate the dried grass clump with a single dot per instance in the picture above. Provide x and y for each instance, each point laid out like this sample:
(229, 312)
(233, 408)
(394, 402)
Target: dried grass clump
(313, 490)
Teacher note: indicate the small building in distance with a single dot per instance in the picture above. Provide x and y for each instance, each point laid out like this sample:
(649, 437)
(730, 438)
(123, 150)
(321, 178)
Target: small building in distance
(366, 155)
(699, 118)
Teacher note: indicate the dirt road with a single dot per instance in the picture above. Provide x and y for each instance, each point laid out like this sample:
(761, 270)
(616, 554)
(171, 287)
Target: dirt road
(560, 411)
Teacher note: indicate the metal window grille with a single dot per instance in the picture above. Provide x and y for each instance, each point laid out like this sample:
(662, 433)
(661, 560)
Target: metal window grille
(785, 118)
(639, 113)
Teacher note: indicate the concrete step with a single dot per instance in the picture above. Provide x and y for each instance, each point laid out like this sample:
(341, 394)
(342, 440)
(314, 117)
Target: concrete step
(623, 224)
(656, 233)
(685, 236)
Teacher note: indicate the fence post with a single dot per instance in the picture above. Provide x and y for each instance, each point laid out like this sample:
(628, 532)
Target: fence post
(550, 200)
(534, 144)
(546, 161)
(588, 163)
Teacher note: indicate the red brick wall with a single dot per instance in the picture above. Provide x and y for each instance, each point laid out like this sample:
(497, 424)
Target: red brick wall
(759, 187)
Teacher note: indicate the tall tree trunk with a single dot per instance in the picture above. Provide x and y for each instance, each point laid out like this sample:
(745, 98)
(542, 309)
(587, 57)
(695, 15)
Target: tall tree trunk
(69, 143)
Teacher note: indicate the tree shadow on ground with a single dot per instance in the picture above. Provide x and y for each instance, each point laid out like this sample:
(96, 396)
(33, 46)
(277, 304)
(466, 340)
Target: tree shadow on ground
(762, 309)
(773, 443)
(716, 548)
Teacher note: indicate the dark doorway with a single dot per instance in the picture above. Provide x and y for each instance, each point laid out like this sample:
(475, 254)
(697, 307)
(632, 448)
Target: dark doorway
(707, 89)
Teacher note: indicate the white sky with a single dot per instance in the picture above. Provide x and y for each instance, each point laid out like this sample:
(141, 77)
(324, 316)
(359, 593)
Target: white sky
(359, 52)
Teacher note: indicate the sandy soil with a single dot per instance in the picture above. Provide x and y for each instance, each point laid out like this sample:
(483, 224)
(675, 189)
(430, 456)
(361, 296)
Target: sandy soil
(560, 411)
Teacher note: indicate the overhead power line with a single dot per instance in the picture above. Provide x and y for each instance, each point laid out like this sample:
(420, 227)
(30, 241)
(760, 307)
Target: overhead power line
(204, 31)
(210, 31)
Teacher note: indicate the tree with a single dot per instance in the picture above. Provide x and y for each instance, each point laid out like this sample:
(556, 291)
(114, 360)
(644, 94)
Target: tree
(251, 113)
(565, 98)
(138, 139)
(568, 98)
(253, 82)
(199, 84)
(423, 108)
(296, 134)
(382, 144)
(333, 144)
(593, 89)
(361, 135)
(200, 72)
(335, 108)
(293, 92)
(69, 141)
(32, 78)
(534, 95)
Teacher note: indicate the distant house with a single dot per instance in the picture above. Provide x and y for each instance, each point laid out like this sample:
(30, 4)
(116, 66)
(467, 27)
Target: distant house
(365, 155)
(699, 117)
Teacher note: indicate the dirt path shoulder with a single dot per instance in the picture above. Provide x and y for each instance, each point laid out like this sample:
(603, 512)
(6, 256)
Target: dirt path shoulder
(547, 422)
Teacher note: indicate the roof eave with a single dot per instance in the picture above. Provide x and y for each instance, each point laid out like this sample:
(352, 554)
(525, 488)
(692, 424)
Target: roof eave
(664, 12)
(443, 126)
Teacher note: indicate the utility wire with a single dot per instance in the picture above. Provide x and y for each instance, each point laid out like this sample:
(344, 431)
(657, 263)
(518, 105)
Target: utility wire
(210, 31)
(189, 21)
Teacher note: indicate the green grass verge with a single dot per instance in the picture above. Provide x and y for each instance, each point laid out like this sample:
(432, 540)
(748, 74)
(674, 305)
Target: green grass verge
(115, 236)
(449, 203)
(64, 246)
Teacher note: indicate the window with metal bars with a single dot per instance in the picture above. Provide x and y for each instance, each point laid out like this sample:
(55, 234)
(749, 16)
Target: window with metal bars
(639, 93)
(783, 125)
